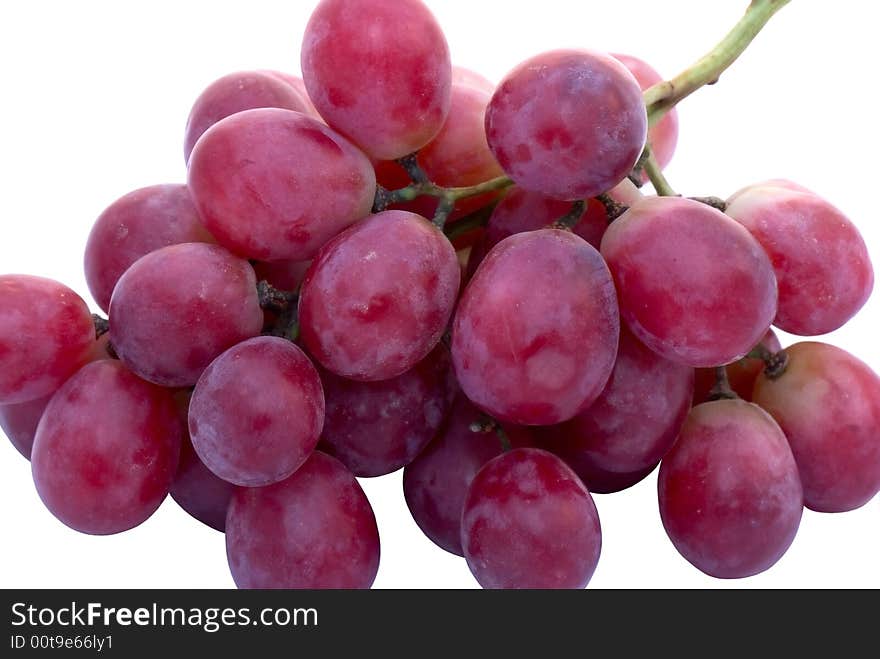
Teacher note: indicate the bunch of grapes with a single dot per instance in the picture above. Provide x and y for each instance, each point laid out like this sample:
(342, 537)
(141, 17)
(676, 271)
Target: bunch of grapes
(393, 263)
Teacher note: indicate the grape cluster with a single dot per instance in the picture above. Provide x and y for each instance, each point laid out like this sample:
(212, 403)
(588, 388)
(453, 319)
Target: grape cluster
(393, 263)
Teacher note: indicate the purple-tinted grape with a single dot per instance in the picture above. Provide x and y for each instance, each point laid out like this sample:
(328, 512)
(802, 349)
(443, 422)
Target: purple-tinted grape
(379, 72)
(436, 482)
(275, 185)
(730, 497)
(375, 428)
(236, 92)
(535, 334)
(569, 124)
(257, 411)
(135, 225)
(633, 423)
(821, 262)
(600, 481)
(529, 522)
(379, 296)
(178, 308)
(741, 375)
(46, 334)
(828, 404)
(106, 449)
(694, 286)
(315, 529)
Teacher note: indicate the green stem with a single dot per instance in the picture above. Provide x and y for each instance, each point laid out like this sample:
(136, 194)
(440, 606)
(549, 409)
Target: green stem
(655, 175)
(663, 96)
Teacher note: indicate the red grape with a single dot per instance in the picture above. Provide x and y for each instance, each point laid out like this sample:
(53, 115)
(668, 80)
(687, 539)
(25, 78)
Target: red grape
(569, 124)
(436, 482)
(740, 374)
(635, 420)
(529, 522)
(178, 308)
(820, 260)
(601, 481)
(783, 183)
(275, 185)
(299, 85)
(46, 334)
(378, 297)
(464, 76)
(379, 72)
(375, 428)
(257, 411)
(134, 225)
(828, 404)
(315, 529)
(730, 496)
(283, 275)
(662, 136)
(236, 92)
(199, 491)
(694, 285)
(106, 449)
(535, 333)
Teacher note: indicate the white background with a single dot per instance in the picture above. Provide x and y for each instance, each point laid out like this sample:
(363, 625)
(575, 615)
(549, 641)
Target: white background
(93, 103)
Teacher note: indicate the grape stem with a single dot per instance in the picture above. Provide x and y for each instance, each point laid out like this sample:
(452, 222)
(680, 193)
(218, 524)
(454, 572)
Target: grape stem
(663, 96)
(486, 424)
(568, 221)
(775, 363)
(275, 300)
(722, 390)
(102, 325)
(655, 174)
(613, 208)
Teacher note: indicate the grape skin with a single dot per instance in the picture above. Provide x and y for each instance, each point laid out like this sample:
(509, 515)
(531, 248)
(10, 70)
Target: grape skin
(436, 482)
(535, 334)
(135, 225)
(529, 522)
(46, 334)
(200, 492)
(694, 286)
(375, 428)
(378, 297)
(178, 308)
(662, 136)
(828, 404)
(730, 497)
(821, 262)
(106, 449)
(300, 86)
(570, 124)
(236, 92)
(275, 185)
(741, 375)
(379, 72)
(633, 423)
(315, 529)
(257, 411)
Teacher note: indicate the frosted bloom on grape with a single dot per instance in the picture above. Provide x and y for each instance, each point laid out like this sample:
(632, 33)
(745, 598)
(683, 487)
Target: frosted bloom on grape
(820, 259)
(379, 72)
(569, 124)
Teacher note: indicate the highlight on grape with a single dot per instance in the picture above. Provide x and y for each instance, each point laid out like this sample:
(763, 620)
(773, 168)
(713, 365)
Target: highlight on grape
(393, 263)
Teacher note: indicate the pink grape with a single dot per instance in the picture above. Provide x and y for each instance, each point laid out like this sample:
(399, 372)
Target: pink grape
(436, 482)
(19, 421)
(106, 449)
(730, 497)
(569, 124)
(828, 404)
(378, 297)
(375, 428)
(178, 308)
(529, 522)
(694, 286)
(300, 86)
(196, 488)
(783, 183)
(821, 262)
(600, 481)
(135, 225)
(635, 420)
(315, 529)
(740, 374)
(236, 92)
(257, 411)
(275, 185)
(464, 76)
(284, 275)
(379, 72)
(535, 334)
(46, 334)
(662, 136)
